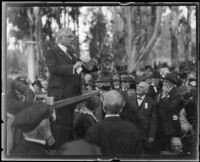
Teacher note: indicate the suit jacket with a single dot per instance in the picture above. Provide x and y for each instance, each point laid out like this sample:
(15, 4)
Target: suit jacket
(115, 137)
(82, 122)
(13, 102)
(152, 93)
(149, 110)
(62, 82)
(168, 113)
(132, 114)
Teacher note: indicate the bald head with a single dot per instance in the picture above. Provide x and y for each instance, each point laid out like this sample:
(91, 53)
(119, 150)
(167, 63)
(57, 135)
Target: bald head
(176, 145)
(113, 102)
(142, 88)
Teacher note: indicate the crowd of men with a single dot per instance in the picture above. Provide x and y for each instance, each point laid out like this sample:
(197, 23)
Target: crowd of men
(139, 116)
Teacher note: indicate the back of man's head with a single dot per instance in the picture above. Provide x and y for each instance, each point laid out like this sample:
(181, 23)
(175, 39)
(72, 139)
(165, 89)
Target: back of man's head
(113, 102)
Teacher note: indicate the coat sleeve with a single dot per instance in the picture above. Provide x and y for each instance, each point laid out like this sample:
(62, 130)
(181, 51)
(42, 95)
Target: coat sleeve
(171, 104)
(153, 121)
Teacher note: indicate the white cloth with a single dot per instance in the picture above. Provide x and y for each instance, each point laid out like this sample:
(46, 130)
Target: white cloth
(85, 110)
(43, 142)
(112, 115)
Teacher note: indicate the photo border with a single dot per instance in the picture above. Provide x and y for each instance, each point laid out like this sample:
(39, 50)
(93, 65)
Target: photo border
(88, 3)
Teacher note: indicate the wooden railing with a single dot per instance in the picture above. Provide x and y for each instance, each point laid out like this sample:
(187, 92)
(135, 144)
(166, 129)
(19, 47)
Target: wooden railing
(85, 95)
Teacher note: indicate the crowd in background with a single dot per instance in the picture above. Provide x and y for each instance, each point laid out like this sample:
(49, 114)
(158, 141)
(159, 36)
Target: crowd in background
(154, 113)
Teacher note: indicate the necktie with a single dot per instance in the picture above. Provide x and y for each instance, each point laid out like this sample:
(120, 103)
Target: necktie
(69, 52)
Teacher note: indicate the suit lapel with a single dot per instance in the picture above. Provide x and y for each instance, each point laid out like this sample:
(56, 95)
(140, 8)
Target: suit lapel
(63, 54)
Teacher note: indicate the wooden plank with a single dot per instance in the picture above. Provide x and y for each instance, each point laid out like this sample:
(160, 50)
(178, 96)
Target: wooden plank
(75, 99)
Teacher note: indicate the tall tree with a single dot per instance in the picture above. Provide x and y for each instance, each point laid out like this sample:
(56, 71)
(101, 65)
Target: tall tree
(142, 28)
(174, 35)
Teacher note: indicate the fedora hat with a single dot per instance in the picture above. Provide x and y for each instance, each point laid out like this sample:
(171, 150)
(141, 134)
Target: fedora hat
(171, 77)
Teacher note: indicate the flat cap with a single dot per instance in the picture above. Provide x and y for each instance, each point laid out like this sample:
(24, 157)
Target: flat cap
(30, 118)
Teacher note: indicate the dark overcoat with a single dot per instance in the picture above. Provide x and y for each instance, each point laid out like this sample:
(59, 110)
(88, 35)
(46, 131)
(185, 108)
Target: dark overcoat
(115, 137)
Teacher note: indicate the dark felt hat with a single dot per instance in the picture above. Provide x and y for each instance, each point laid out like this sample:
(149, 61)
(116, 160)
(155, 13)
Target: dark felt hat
(106, 78)
(172, 77)
(156, 74)
(31, 117)
(140, 79)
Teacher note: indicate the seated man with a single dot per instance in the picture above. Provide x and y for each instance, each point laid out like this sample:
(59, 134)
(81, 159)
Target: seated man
(37, 136)
(114, 135)
(18, 97)
(176, 147)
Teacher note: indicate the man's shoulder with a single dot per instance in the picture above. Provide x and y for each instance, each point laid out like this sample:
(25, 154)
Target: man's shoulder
(49, 45)
(149, 99)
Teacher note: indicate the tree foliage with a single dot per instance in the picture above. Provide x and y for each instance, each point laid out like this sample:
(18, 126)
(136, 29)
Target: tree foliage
(99, 45)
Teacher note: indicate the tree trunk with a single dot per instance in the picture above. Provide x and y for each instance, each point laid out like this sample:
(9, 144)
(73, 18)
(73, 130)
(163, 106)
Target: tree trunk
(188, 42)
(174, 40)
(138, 46)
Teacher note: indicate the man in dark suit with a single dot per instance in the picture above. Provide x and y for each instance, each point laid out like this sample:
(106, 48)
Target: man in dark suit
(147, 107)
(132, 114)
(65, 80)
(114, 135)
(34, 123)
(169, 107)
(18, 97)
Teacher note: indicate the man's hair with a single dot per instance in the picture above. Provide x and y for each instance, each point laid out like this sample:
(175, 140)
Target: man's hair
(113, 101)
(60, 33)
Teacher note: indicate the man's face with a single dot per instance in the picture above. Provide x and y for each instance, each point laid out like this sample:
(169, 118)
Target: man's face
(166, 85)
(154, 81)
(36, 88)
(142, 88)
(176, 146)
(125, 85)
(116, 84)
(67, 39)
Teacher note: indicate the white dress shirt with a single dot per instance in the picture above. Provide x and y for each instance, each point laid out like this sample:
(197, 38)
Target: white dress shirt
(112, 115)
(140, 100)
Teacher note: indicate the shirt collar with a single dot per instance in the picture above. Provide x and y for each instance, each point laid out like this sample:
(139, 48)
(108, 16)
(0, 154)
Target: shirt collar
(141, 96)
